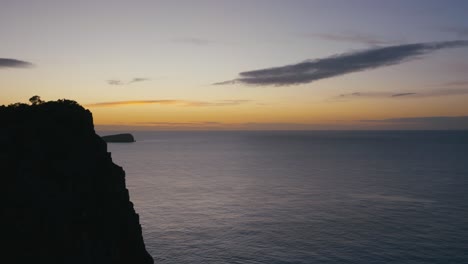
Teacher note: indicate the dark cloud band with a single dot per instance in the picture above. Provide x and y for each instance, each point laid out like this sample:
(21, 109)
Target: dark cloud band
(313, 70)
(12, 63)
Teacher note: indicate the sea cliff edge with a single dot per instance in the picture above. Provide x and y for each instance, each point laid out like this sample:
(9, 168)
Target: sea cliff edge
(64, 200)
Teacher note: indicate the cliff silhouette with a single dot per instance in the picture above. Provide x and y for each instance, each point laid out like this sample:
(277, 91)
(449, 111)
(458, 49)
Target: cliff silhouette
(64, 200)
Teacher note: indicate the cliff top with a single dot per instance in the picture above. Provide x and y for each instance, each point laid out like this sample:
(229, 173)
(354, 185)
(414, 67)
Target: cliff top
(65, 201)
(63, 111)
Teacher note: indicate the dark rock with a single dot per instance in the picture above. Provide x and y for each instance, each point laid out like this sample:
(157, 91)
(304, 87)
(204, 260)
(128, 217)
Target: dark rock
(63, 199)
(119, 138)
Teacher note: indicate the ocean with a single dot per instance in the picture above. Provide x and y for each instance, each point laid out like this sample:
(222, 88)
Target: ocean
(300, 196)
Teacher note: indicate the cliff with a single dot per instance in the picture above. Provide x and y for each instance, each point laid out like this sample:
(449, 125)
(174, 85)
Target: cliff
(63, 199)
(119, 138)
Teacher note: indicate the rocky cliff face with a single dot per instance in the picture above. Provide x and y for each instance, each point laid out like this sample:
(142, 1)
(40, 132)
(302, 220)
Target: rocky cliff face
(63, 199)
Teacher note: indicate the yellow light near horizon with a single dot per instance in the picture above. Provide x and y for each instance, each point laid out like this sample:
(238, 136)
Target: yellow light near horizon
(348, 112)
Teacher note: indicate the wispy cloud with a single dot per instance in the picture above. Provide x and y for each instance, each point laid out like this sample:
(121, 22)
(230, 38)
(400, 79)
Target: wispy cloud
(456, 83)
(313, 70)
(193, 41)
(115, 82)
(181, 124)
(169, 102)
(213, 125)
(364, 95)
(134, 80)
(403, 94)
(432, 93)
(195, 125)
(120, 82)
(431, 122)
(13, 63)
(353, 38)
(427, 122)
(419, 119)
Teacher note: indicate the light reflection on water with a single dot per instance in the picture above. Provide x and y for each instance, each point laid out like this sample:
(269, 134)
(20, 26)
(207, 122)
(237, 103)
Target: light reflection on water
(300, 197)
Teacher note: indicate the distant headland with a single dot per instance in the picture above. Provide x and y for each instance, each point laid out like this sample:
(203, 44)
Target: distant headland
(64, 200)
(119, 138)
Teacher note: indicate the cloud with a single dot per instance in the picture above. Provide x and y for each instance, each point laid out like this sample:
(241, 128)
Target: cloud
(433, 93)
(313, 70)
(119, 82)
(354, 38)
(217, 103)
(115, 82)
(134, 80)
(428, 122)
(135, 102)
(180, 124)
(443, 92)
(456, 83)
(193, 41)
(419, 119)
(365, 95)
(169, 102)
(195, 125)
(373, 95)
(213, 125)
(412, 123)
(402, 94)
(12, 63)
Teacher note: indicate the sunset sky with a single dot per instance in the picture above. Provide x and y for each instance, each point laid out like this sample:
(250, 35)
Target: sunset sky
(242, 64)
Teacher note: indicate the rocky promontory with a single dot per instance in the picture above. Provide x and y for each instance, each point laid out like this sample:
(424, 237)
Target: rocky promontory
(63, 199)
(119, 138)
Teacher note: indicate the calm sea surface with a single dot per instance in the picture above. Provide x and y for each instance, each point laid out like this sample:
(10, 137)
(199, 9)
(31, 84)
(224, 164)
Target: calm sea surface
(300, 197)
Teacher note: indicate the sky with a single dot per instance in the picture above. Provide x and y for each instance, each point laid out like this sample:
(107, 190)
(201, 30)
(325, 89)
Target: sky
(230, 65)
